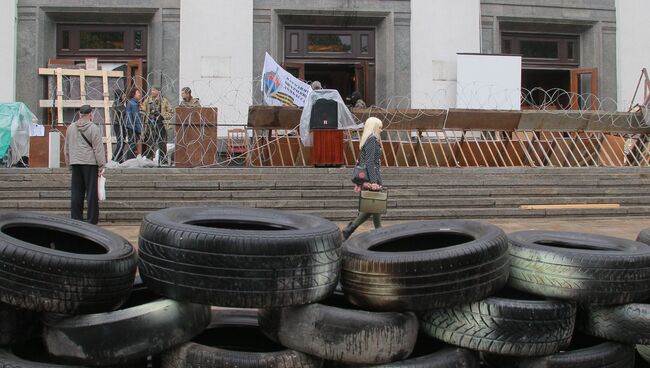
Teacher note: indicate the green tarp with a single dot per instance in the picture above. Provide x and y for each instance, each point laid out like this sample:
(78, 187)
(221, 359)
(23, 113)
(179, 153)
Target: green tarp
(14, 118)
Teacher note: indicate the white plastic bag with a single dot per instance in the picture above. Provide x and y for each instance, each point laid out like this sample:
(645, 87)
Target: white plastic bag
(101, 188)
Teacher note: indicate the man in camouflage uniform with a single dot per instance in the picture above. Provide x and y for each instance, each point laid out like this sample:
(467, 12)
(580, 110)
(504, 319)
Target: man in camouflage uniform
(187, 100)
(158, 114)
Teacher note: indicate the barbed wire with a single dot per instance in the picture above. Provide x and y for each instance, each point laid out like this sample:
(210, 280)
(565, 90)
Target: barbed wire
(203, 143)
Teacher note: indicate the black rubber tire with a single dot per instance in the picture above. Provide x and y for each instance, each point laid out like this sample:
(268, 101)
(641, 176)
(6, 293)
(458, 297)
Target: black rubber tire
(428, 353)
(424, 265)
(30, 354)
(583, 267)
(644, 236)
(16, 324)
(628, 323)
(644, 352)
(334, 330)
(145, 326)
(509, 323)
(249, 258)
(9, 360)
(89, 270)
(589, 353)
(445, 358)
(235, 341)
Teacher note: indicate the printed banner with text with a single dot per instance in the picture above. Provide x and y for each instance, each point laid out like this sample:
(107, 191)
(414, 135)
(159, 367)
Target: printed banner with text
(280, 88)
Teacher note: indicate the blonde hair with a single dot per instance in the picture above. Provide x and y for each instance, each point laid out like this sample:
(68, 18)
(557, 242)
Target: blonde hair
(372, 126)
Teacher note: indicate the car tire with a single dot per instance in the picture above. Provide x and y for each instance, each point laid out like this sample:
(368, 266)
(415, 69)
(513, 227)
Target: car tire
(335, 330)
(428, 353)
(16, 324)
(234, 339)
(582, 267)
(145, 326)
(584, 353)
(424, 265)
(244, 258)
(509, 323)
(58, 265)
(628, 323)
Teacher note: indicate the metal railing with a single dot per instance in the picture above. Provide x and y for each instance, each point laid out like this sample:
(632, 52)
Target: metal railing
(466, 148)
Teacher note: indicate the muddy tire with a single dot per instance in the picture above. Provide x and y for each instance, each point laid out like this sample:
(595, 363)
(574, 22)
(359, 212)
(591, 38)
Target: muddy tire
(509, 323)
(424, 265)
(644, 236)
(429, 353)
(234, 339)
(16, 324)
(628, 323)
(145, 326)
(59, 265)
(584, 353)
(582, 267)
(334, 330)
(246, 258)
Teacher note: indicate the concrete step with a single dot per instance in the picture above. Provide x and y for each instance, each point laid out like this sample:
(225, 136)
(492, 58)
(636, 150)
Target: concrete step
(413, 193)
(134, 217)
(496, 192)
(327, 203)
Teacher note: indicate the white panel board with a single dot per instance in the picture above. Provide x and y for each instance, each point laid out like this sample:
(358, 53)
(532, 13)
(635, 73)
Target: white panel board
(439, 30)
(490, 82)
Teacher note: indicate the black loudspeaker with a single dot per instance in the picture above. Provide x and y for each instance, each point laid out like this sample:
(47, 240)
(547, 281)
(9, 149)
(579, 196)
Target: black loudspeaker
(324, 115)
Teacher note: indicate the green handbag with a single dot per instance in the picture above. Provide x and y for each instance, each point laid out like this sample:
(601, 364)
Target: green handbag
(373, 202)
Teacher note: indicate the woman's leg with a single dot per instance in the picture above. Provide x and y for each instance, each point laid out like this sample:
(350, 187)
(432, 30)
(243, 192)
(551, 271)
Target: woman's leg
(376, 220)
(360, 219)
(355, 224)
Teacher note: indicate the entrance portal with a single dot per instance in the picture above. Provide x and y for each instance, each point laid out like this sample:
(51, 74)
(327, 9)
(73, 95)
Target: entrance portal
(340, 77)
(546, 88)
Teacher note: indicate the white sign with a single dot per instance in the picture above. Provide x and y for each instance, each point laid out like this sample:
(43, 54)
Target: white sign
(280, 88)
(491, 82)
(36, 130)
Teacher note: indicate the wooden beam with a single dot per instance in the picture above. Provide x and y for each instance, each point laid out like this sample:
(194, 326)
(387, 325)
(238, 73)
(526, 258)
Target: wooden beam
(97, 104)
(79, 72)
(107, 116)
(577, 205)
(59, 96)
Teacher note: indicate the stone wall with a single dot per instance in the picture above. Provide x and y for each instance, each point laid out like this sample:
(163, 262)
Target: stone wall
(8, 50)
(593, 20)
(390, 18)
(37, 21)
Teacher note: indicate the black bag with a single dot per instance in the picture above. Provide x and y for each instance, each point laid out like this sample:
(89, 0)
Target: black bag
(360, 174)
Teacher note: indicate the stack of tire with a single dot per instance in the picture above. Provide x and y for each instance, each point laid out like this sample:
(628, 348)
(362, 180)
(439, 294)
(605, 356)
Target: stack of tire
(252, 288)
(68, 297)
(531, 299)
(243, 259)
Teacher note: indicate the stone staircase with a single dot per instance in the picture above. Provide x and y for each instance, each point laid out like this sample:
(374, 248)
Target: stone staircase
(414, 193)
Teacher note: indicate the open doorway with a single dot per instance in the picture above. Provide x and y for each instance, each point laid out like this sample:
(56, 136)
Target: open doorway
(546, 88)
(340, 77)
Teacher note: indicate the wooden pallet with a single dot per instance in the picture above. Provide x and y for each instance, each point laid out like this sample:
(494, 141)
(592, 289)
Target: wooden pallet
(61, 104)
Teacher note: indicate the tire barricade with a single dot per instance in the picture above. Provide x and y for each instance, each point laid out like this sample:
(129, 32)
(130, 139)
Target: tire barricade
(225, 287)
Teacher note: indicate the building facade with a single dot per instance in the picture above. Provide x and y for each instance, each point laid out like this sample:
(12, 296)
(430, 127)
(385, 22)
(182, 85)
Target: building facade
(396, 53)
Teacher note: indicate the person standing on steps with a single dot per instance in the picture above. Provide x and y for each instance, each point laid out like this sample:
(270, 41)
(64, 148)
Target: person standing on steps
(133, 124)
(84, 154)
(158, 114)
(370, 155)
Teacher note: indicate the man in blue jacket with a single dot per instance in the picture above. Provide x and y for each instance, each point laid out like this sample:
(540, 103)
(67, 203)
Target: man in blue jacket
(133, 122)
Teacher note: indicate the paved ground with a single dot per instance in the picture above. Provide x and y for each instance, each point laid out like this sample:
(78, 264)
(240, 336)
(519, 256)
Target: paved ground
(622, 227)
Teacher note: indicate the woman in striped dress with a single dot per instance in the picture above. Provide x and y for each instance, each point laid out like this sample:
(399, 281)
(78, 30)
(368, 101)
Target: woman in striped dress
(370, 155)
